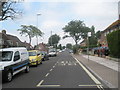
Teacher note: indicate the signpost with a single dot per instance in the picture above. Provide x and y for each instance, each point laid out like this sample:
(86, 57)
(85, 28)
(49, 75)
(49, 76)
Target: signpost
(88, 35)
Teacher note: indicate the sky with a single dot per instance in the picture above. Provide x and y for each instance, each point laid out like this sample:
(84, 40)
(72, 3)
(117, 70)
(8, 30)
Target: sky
(55, 14)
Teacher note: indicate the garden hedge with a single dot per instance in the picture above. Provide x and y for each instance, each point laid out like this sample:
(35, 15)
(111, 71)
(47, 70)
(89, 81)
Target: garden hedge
(113, 40)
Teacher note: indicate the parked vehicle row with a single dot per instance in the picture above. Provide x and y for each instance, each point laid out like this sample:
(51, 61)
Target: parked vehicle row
(18, 59)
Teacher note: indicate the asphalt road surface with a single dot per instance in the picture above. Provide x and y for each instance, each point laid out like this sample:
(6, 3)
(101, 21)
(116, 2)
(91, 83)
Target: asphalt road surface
(62, 71)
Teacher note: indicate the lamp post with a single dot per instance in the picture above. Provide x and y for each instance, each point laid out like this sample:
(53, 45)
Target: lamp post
(88, 35)
(37, 25)
(51, 38)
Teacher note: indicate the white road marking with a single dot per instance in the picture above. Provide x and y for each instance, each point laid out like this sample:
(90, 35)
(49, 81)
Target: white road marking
(53, 66)
(91, 76)
(40, 83)
(88, 85)
(51, 69)
(47, 74)
(50, 86)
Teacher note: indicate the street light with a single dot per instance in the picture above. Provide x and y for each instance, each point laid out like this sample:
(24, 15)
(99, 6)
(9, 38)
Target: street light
(88, 35)
(37, 24)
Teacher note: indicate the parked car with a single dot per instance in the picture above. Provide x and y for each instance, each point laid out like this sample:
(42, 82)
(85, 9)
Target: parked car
(35, 57)
(45, 55)
(13, 61)
(52, 53)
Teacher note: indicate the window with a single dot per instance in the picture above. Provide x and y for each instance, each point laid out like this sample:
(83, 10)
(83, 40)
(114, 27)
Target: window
(1, 41)
(16, 56)
(17, 44)
(10, 42)
(32, 53)
(6, 55)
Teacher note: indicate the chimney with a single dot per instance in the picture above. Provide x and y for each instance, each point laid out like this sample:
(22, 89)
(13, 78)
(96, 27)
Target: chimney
(4, 31)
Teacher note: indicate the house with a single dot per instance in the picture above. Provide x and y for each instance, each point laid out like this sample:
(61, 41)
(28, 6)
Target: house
(7, 40)
(28, 46)
(113, 27)
(83, 43)
(41, 47)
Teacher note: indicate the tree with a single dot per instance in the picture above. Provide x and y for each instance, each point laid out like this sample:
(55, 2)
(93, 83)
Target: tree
(92, 39)
(8, 10)
(63, 47)
(98, 34)
(69, 46)
(29, 31)
(60, 46)
(54, 40)
(76, 29)
(36, 32)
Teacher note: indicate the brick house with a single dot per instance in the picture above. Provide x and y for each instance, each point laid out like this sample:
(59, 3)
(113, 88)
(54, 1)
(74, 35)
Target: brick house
(83, 43)
(7, 40)
(41, 47)
(28, 46)
(113, 27)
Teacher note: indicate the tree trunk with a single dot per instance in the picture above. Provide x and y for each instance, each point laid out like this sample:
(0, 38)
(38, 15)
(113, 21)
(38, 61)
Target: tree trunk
(30, 39)
(76, 46)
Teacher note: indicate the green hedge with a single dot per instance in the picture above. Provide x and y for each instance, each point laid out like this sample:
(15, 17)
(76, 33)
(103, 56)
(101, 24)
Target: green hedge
(113, 40)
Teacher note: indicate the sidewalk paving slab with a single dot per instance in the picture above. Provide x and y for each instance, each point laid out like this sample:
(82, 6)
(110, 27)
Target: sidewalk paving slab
(107, 75)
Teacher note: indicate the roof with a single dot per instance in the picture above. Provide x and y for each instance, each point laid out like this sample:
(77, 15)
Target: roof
(12, 49)
(117, 22)
(32, 50)
(11, 37)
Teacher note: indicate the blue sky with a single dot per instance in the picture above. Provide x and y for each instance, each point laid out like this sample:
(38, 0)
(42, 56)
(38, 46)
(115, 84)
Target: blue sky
(56, 14)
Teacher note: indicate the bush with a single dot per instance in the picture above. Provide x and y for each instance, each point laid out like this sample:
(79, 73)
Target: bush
(113, 40)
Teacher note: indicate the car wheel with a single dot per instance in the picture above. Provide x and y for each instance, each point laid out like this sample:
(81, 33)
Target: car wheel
(27, 69)
(36, 63)
(41, 62)
(8, 77)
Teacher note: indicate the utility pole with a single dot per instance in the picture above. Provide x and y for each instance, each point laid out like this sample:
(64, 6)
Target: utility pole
(37, 26)
(88, 35)
(51, 38)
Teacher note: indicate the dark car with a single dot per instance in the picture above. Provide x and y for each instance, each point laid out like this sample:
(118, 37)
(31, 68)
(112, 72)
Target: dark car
(45, 55)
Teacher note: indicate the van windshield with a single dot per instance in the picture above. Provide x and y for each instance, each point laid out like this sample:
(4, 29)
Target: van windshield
(6, 56)
(32, 54)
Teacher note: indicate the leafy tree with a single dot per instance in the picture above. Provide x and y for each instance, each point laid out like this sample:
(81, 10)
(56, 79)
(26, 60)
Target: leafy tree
(54, 40)
(92, 39)
(8, 10)
(36, 32)
(29, 31)
(98, 34)
(60, 46)
(76, 29)
(69, 46)
(63, 47)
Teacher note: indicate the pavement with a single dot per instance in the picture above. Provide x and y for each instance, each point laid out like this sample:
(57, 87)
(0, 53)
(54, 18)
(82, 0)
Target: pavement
(106, 70)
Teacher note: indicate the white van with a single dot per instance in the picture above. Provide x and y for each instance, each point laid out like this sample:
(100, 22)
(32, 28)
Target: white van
(13, 61)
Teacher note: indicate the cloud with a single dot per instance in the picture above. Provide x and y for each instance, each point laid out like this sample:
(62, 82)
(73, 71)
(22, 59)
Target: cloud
(71, 0)
(100, 14)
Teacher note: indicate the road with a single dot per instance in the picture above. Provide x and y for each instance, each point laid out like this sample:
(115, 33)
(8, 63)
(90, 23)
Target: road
(62, 71)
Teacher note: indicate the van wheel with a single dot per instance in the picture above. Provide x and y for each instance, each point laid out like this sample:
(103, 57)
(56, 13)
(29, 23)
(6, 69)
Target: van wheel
(8, 77)
(27, 69)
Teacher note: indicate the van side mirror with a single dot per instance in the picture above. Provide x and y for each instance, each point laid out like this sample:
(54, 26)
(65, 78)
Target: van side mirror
(16, 57)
